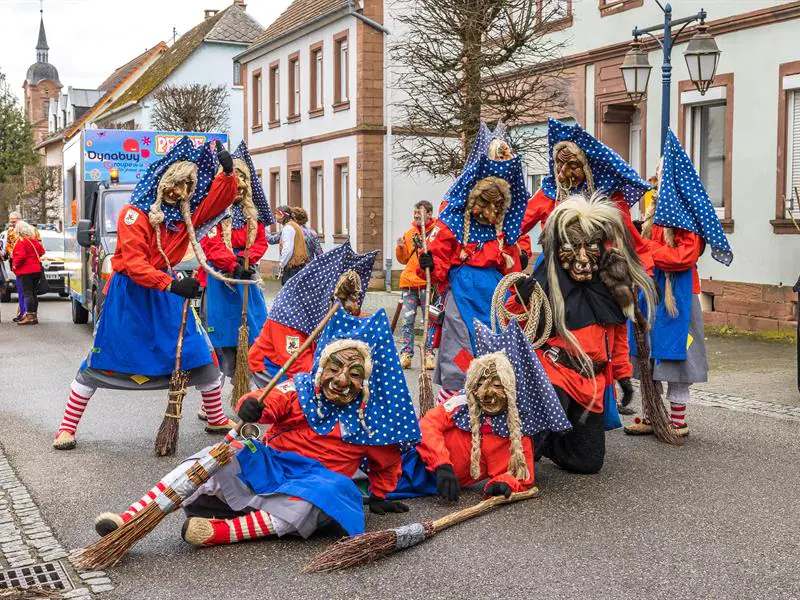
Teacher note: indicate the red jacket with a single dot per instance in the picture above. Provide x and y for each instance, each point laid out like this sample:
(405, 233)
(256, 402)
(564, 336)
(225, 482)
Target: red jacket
(541, 205)
(688, 248)
(223, 259)
(278, 342)
(290, 432)
(446, 251)
(25, 256)
(443, 443)
(137, 255)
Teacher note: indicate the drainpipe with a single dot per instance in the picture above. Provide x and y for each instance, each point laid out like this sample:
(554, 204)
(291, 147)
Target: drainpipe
(388, 196)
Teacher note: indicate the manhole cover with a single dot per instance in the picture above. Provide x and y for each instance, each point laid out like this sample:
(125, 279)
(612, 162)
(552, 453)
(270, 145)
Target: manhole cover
(50, 575)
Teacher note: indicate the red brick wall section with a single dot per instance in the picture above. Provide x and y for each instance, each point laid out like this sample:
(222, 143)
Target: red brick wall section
(751, 307)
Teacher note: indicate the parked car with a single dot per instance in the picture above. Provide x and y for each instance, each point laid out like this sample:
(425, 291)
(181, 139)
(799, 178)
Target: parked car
(52, 263)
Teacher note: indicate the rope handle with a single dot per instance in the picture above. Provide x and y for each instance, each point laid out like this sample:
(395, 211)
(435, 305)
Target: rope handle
(539, 305)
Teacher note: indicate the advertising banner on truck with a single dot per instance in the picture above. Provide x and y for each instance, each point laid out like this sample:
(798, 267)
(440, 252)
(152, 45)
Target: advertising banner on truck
(122, 156)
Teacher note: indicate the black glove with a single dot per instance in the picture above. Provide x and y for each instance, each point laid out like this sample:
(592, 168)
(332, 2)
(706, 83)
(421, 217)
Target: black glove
(498, 488)
(447, 485)
(239, 272)
(224, 157)
(240, 260)
(186, 287)
(250, 411)
(523, 259)
(379, 506)
(627, 391)
(525, 289)
(638, 225)
(426, 260)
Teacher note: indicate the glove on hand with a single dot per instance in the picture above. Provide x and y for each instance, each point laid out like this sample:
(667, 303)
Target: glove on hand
(426, 260)
(250, 411)
(186, 287)
(525, 289)
(447, 485)
(379, 506)
(224, 157)
(239, 272)
(627, 391)
(523, 260)
(498, 488)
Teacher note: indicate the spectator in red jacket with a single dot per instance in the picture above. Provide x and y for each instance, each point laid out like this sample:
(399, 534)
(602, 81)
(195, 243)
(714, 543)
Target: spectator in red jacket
(28, 269)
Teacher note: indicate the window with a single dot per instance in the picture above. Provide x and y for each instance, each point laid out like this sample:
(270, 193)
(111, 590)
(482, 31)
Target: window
(341, 72)
(554, 14)
(237, 73)
(341, 199)
(294, 87)
(274, 192)
(787, 203)
(317, 186)
(706, 130)
(612, 7)
(257, 100)
(274, 95)
(315, 80)
(534, 182)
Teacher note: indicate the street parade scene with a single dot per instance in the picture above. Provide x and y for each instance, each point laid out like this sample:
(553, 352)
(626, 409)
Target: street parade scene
(399, 299)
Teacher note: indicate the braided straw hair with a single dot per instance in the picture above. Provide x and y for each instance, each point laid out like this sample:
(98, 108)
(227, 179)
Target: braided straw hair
(595, 216)
(562, 193)
(492, 189)
(348, 278)
(365, 352)
(248, 206)
(495, 364)
(177, 172)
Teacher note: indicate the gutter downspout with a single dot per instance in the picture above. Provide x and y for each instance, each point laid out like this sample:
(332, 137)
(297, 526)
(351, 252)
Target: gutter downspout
(388, 196)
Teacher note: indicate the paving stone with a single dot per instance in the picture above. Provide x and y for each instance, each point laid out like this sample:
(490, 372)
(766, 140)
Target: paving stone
(77, 593)
(102, 588)
(92, 574)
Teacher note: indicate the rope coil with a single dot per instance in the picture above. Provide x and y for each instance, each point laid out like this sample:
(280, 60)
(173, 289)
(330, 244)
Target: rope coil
(539, 307)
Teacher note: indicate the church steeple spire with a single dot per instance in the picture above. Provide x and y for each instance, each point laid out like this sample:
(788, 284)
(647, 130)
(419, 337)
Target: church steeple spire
(41, 45)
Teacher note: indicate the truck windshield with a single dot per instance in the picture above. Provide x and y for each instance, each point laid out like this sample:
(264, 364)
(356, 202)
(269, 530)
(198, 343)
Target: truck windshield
(113, 201)
(53, 244)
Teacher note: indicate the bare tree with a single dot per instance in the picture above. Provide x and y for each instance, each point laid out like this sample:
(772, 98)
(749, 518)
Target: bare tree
(195, 107)
(41, 200)
(463, 60)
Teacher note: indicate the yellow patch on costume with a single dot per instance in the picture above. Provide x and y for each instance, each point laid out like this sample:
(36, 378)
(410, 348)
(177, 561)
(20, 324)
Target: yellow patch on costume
(689, 341)
(140, 379)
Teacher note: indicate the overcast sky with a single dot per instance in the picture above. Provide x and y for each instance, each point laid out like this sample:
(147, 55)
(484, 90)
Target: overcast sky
(88, 39)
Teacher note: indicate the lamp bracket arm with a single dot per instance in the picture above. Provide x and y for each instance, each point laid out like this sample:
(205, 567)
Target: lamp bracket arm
(680, 31)
(658, 41)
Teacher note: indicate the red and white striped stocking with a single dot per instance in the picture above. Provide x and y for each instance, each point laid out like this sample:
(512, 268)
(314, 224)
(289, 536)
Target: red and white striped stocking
(212, 404)
(79, 396)
(444, 395)
(215, 532)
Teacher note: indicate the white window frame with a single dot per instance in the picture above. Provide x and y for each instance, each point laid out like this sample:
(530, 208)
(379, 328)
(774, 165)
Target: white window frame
(344, 182)
(318, 99)
(792, 207)
(276, 80)
(296, 91)
(716, 96)
(344, 70)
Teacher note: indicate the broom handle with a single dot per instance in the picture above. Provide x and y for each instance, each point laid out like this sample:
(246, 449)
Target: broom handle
(482, 507)
(246, 266)
(184, 317)
(427, 295)
(303, 347)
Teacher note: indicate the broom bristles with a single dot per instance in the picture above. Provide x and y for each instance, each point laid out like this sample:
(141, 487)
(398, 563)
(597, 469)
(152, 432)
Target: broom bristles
(241, 376)
(426, 402)
(167, 436)
(109, 550)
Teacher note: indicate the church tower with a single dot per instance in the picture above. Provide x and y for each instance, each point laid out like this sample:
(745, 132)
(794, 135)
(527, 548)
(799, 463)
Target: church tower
(41, 84)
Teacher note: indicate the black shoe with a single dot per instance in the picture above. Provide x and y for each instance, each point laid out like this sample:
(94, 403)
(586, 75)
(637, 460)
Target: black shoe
(625, 410)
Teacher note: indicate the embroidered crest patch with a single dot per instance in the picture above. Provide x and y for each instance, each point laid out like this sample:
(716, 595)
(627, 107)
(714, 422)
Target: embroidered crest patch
(131, 216)
(432, 234)
(286, 387)
(292, 343)
(212, 232)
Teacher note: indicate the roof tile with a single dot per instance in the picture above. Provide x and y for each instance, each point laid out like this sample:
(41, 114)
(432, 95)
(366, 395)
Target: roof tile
(298, 12)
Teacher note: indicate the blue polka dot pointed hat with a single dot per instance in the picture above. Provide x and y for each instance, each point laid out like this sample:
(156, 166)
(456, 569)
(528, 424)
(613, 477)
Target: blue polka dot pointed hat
(610, 172)
(383, 413)
(144, 194)
(684, 203)
(265, 215)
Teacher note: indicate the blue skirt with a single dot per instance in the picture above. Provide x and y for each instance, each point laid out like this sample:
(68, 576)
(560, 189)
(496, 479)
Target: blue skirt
(138, 331)
(415, 480)
(224, 312)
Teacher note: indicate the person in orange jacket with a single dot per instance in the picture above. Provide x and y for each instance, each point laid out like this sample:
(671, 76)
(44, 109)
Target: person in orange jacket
(411, 284)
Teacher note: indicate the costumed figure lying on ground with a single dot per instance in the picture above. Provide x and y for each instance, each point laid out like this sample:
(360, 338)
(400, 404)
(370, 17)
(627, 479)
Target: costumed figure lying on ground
(353, 406)
(590, 273)
(485, 434)
(470, 248)
(679, 222)
(134, 347)
(579, 163)
(301, 305)
(235, 246)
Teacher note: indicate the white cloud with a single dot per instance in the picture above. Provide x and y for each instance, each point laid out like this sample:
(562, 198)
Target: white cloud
(88, 39)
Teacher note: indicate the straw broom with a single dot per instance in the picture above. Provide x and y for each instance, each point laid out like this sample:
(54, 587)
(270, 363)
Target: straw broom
(241, 376)
(167, 436)
(652, 407)
(112, 548)
(368, 547)
(425, 384)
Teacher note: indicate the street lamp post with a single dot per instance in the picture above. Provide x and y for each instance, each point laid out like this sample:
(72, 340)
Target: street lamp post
(702, 57)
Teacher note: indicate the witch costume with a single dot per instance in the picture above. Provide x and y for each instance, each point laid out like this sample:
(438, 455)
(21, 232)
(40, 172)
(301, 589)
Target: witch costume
(468, 258)
(299, 307)
(678, 226)
(134, 346)
(225, 246)
(298, 478)
(461, 445)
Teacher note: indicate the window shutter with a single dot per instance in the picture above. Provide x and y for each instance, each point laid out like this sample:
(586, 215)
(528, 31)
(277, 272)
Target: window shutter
(794, 154)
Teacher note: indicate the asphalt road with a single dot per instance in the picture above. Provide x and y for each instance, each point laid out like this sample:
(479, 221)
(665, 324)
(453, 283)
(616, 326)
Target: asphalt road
(717, 518)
